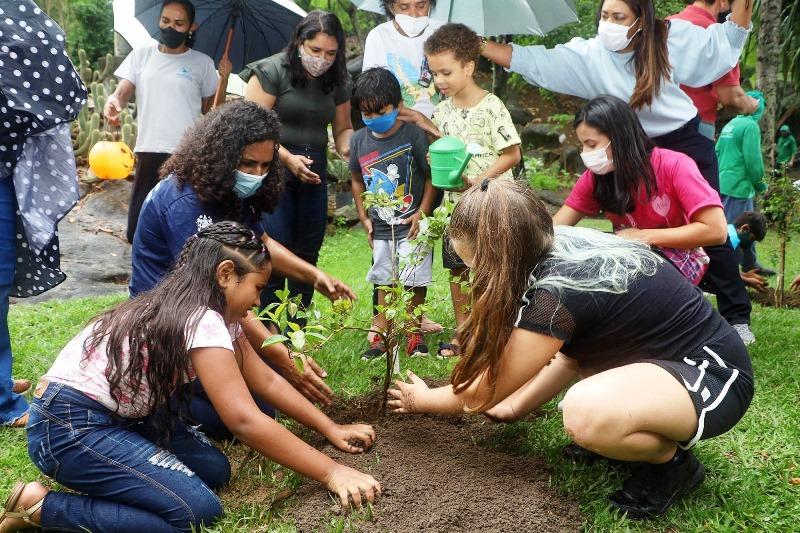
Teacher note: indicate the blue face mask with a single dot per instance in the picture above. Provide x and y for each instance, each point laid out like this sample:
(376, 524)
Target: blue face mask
(381, 123)
(247, 185)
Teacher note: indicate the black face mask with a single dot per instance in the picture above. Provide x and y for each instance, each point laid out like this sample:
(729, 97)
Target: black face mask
(172, 38)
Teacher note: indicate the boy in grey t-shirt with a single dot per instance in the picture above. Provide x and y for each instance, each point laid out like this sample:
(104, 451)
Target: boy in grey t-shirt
(390, 155)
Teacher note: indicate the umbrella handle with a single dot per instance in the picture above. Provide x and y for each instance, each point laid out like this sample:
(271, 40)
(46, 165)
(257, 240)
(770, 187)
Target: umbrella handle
(222, 84)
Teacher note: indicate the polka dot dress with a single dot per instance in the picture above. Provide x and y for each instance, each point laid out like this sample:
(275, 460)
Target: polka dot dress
(40, 93)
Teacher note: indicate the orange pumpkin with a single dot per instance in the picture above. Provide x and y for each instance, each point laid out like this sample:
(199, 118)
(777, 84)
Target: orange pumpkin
(111, 160)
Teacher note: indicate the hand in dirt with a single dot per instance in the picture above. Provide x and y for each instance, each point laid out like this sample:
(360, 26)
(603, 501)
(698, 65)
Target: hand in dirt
(348, 483)
(753, 280)
(309, 382)
(406, 395)
(332, 288)
(502, 412)
(352, 438)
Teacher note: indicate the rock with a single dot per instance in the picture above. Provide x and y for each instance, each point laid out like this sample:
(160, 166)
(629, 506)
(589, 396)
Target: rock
(354, 66)
(540, 135)
(519, 114)
(347, 213)
(553, 198)
(571, 160)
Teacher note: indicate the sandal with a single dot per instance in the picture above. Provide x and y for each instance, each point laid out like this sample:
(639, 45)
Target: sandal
(21, 386)
(453, 348)
(11, 504)
(20, 422)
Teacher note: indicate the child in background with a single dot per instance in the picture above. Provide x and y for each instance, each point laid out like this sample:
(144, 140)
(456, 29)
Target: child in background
(390, 155)
(747, 229)
(478, 118)
(104, 419)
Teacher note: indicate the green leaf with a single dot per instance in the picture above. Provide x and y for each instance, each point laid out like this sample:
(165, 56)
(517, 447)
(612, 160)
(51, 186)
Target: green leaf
(274, 339)
(298, 339)
(292, 309)
(294, 327)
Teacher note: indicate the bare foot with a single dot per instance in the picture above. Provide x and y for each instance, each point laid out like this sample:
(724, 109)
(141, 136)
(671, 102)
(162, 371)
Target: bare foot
(31, 495)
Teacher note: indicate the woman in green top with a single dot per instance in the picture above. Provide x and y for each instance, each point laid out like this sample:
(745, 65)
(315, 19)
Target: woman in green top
(309, 87)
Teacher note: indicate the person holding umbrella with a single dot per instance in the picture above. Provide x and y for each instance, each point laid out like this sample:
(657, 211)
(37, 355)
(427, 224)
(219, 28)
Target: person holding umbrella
(309, 88)
(643, 60)
(173, 84)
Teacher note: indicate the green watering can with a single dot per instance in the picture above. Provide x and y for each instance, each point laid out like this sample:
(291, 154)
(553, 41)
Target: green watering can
(449, 158)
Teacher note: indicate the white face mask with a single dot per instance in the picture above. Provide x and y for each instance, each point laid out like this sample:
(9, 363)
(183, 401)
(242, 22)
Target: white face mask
(597, 160)
(412, 26)
(615, 36)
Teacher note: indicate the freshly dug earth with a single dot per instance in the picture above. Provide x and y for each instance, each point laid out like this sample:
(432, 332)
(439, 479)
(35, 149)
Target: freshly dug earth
(440, 474)
(790, 298)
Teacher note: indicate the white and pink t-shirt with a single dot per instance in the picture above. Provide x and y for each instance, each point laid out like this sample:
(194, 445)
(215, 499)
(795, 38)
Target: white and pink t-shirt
(682, 191)
(89, 375)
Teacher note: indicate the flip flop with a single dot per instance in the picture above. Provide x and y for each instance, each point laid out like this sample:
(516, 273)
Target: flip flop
(455, 350)
(11, 503)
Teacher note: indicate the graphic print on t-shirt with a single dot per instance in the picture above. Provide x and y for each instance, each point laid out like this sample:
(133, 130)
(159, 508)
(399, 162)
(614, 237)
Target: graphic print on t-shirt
(407, 74)
(389, 172)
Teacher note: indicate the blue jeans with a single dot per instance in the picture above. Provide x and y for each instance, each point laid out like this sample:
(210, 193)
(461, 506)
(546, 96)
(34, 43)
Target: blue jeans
(127, 482)
(734, 207)
(12, 406)
(299, 223)
(200, 411)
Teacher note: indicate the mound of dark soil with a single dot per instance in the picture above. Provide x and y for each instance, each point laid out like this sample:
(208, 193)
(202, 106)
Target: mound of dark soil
(440, 475)
(790, 298)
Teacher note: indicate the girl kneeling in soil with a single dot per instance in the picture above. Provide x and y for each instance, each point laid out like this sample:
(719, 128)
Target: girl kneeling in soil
(104, 419)
(661, 368)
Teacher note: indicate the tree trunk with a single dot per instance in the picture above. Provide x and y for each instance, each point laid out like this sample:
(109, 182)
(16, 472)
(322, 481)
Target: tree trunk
(499, 74)
(781, 272)
(769, 42)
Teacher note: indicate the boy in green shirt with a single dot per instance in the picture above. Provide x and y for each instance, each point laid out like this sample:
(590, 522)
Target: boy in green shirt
(787, 147)
(477, 117)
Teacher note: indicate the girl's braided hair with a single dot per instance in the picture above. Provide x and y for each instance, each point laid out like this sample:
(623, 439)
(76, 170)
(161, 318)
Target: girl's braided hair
(147, 337)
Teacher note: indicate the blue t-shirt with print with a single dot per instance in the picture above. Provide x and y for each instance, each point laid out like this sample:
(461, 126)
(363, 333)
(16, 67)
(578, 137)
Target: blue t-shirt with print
(171, 214)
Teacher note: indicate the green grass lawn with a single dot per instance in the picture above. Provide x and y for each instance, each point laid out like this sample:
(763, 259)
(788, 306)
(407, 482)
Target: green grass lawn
(748, 470)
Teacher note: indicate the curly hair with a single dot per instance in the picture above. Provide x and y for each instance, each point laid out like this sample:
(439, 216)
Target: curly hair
(464, 43)
(318, 21)
(387, 7)
(211, 149)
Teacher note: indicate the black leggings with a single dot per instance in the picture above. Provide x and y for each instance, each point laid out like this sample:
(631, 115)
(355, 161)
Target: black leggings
(144, 179)
(722, 277)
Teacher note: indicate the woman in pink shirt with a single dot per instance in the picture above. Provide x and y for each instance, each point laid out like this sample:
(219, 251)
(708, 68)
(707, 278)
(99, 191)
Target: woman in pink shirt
(649, 194)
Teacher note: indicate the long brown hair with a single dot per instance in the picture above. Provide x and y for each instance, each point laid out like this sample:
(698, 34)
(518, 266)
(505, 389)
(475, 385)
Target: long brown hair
(153, 327)
(650, 54)
(510, 231)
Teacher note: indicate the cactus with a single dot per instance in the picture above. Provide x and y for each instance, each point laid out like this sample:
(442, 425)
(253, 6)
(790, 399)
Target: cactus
(91, 140)
(90, 126)
(84, 67)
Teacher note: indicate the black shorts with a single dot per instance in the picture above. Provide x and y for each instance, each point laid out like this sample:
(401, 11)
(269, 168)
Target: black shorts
(719, 379)
(450, 258)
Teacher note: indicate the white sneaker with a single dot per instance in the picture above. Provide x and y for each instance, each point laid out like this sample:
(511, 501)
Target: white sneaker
(745, 333)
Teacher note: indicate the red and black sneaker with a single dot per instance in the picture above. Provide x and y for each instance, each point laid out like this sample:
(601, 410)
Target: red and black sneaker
(416, 346)
(375, 350)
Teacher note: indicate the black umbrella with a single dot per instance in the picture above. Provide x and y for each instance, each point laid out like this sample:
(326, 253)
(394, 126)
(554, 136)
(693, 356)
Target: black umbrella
(260, 28)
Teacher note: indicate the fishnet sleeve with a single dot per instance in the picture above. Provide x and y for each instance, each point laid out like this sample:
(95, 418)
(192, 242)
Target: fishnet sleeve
(542, 312)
